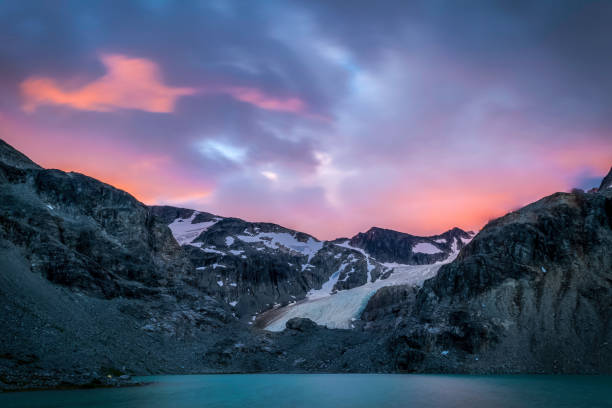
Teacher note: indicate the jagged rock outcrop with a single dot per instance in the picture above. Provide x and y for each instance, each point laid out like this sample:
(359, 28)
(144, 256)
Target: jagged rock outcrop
(392, 246)
(607, 181)
(301, 324)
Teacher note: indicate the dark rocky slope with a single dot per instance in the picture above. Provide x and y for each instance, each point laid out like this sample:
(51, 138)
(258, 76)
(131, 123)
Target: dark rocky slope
(79, 232)
(531, 293)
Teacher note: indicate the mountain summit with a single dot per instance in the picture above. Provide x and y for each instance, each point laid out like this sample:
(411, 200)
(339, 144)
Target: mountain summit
(607, 181)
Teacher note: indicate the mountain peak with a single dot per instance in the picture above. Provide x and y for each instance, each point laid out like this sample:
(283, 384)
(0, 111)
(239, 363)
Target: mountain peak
(378, 230)
(12, 157)
(607, 181)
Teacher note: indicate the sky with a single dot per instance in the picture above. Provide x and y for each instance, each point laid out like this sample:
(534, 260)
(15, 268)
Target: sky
(329, 117)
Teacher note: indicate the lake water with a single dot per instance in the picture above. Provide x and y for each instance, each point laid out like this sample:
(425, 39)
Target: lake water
(334, 390)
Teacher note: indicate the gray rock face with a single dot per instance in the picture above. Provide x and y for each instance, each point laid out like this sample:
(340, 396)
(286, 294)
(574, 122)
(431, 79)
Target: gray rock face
(167, 214)
(530, 293)
(14, 158)
(390, 303)
(301, 324)
(85, 234)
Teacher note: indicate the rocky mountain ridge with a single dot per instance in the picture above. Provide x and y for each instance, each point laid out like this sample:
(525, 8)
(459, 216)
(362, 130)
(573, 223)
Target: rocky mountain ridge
(256, 266)
(94, 283)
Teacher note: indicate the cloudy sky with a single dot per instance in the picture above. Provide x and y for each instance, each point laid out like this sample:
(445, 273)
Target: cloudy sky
(325, 116)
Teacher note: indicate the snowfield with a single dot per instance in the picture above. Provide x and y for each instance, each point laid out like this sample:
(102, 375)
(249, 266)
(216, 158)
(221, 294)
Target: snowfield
(276, 240)
(426, 248)
(339, 310)
(185, 232)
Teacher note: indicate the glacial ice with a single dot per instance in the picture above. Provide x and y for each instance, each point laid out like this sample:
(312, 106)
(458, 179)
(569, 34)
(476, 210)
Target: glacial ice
(337, 310)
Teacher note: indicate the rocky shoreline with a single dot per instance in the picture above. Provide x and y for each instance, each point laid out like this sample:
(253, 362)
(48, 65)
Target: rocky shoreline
(63, 381)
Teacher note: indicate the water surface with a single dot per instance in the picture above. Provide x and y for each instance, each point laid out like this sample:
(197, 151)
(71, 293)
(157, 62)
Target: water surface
(334, 390)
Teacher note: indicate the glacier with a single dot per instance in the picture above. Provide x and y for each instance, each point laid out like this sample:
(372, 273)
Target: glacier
(339, 310)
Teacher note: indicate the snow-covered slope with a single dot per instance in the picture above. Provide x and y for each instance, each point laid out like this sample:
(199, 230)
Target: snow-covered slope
(340, 309)
(261, 267)
(185, 230)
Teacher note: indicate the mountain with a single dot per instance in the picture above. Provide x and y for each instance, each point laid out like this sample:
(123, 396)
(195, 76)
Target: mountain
(255, 267)
(94, 283)
(532, 292)
(393, 246)
(91, 281)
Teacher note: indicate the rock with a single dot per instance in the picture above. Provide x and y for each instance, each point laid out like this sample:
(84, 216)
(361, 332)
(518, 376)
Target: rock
(301, 324)
(392, 246)
(389, 302)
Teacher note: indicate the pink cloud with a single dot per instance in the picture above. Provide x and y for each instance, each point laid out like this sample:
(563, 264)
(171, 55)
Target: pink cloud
(130, 83)
(258, 98)
(136, 83)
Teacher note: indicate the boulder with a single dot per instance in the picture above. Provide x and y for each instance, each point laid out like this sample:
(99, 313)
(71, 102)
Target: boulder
(301, 324)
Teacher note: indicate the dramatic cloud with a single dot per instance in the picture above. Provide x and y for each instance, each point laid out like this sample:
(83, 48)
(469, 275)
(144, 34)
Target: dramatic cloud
(135, 83)
(325, 116)
(130, 83)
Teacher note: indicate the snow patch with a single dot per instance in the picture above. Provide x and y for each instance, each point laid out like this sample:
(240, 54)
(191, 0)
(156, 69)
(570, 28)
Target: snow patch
(371, 267)
(327, 287)
(229, 241)
(277, 240)
(212, 250)
(426, 248)
(185, 232)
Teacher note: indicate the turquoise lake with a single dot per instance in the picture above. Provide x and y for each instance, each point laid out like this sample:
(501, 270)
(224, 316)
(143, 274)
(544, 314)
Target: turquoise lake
(334, 390)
